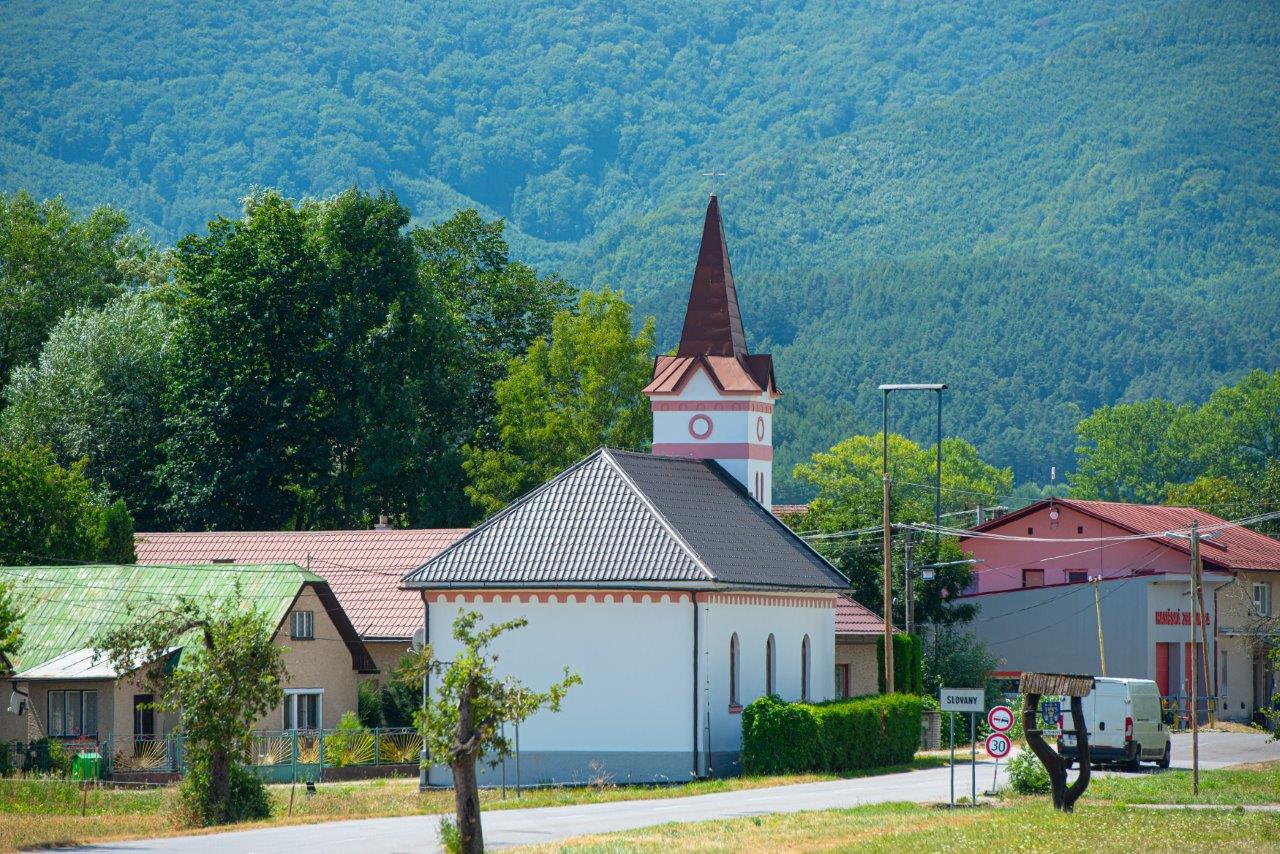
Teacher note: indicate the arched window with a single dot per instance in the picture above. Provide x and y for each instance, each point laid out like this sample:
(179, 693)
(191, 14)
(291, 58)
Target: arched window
(804, 669)
(770, 671)
(733, 670)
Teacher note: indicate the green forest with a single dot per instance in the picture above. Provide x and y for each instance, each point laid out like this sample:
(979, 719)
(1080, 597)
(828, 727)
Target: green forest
(1051, 207)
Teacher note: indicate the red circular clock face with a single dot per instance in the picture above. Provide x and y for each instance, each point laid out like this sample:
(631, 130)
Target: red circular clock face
(699, 426)
(760, 427)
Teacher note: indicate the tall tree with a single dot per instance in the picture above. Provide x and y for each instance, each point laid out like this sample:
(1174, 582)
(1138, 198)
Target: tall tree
(10, 624)
(465, 718)
(96, 394)
(564, 398)
(49, 514)
(52, 260)
(849, 500)
(230, 675)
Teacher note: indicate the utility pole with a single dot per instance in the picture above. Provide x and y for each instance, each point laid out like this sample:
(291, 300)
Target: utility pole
(1097, 609)
(888, 555)
(906, 569)
(1211, 694)
(1195, 718)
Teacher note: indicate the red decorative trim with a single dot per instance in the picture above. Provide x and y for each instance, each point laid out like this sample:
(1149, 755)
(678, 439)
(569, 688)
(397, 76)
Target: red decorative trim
(711, 406)
(700, 434)
(769, 599)
(715, 450)
(562, 597)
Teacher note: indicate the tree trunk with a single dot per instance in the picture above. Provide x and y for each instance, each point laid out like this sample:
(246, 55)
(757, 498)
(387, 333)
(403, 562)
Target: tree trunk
(466, 792)
(219, 796)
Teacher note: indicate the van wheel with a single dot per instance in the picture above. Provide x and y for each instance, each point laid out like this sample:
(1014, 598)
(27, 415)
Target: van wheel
(1134, 761)
(1164, 760)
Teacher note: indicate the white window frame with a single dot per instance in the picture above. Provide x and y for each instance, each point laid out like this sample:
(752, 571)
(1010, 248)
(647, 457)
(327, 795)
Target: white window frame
(1262, 603)
(290, 708)
(302, 625)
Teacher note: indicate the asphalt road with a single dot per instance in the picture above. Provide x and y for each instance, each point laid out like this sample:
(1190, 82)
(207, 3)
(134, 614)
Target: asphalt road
(521, 827)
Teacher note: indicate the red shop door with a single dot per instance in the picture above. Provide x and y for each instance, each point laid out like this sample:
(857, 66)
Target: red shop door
(1162, 667)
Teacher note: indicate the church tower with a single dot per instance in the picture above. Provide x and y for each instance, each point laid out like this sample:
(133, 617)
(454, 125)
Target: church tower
(713, 399)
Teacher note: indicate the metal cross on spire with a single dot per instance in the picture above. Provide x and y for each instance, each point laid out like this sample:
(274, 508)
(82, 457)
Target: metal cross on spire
(713, 175)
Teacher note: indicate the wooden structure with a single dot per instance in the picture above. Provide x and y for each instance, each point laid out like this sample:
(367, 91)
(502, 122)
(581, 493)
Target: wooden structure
(1033, 686)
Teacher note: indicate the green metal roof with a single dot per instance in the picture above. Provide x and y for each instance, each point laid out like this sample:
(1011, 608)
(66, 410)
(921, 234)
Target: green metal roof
(65, 608)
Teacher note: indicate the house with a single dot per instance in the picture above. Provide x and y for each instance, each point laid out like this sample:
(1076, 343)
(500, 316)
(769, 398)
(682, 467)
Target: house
(363, 568)
(662, 579)
(1038, 610)
(857, 665)
(70, 693)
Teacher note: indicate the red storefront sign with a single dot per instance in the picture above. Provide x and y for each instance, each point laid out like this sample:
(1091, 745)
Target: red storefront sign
(1179, 618)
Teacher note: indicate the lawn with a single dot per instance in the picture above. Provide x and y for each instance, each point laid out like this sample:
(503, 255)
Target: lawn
(1024, 825)
(1248, 784)
(44, 812)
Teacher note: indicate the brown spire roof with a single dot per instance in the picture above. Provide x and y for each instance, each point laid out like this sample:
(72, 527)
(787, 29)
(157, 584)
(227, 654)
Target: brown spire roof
(712, 324)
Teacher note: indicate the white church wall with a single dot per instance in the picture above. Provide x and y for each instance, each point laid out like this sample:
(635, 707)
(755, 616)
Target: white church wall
(753, 617)
(630, 719)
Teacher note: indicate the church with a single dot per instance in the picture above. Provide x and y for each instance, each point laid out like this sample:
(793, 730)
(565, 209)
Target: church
(663, 579)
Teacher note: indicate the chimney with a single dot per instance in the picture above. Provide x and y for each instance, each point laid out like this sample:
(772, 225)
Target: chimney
(384, 523)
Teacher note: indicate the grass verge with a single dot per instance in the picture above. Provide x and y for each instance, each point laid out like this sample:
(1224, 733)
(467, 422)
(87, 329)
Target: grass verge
(1258, 783)
(1023, 825)
(42, 813)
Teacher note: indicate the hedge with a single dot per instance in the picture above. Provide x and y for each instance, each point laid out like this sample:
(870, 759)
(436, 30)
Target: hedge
(908, 664)
(841, 735)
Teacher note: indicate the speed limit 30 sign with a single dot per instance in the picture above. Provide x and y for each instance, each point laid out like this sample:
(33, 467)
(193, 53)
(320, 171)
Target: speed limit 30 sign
(997, 745)
(1000, 718)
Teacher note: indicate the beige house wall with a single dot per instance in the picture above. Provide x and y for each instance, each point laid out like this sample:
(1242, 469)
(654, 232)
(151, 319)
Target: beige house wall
(386, 655)
(860, 654)
(323, 663)
(1245, 677)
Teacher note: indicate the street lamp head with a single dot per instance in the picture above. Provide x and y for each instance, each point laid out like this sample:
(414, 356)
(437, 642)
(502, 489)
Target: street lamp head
(912, 386)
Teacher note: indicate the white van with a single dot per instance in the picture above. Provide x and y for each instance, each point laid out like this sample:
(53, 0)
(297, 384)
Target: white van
(1122, 717)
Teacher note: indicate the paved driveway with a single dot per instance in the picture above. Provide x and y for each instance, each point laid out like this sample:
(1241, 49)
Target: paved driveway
(518, 827)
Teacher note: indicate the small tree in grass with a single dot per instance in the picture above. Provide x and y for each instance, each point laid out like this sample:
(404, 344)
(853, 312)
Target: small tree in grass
(469, 704)
(229, 675)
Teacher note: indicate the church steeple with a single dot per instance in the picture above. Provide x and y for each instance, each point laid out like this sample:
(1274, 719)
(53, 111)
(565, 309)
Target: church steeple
(713, 399)
(712, 323)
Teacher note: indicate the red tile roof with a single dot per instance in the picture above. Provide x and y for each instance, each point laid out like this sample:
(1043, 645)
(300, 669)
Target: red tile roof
(854, 618)
(1232, 547)
(363, 568)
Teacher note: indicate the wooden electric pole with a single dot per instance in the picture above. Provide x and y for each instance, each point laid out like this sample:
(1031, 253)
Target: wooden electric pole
(1097, 609)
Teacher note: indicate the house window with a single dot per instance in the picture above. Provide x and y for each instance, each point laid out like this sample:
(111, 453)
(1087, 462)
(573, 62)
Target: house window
(1031, 532)
(1262, 599)
(144, 716)
(1079, 529)
(734, 679)
(1077, 576)
(1033, 578)
(73, 714)
(303, 708)
(304, 625)
(770, 672)
(804, 669)
(842, 680)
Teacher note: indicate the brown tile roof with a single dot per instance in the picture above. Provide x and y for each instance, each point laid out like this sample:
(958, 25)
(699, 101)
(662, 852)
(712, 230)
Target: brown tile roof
(1232, 547)
(712, 322)
(854, 618)
(363, 568)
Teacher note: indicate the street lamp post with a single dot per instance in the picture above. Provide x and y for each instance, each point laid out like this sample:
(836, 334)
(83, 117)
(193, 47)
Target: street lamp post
(886, 490)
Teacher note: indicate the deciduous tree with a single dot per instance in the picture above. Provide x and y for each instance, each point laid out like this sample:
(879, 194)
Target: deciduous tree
(564, 398)
(229, 675)
(463, 720)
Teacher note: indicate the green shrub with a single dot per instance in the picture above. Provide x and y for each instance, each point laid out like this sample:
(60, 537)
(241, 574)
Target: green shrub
(248, 799)
(369, 701)
(450, 838)
(842, 735)
(1027, 774)
(908, 664)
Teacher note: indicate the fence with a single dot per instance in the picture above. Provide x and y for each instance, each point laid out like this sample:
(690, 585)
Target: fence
(1176, 710)
(275, 755)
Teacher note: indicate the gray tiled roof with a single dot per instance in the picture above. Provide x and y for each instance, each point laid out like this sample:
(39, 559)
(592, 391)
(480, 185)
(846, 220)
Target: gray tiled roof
(617, 518)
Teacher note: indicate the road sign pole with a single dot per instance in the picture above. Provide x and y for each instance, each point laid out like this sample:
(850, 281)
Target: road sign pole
(952, 718)
(973, 758)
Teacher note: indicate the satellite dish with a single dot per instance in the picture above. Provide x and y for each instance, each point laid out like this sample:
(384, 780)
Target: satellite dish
(419, 640)
(17, 704)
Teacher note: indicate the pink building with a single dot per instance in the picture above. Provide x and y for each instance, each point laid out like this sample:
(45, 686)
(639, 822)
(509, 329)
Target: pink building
(1037, 610)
